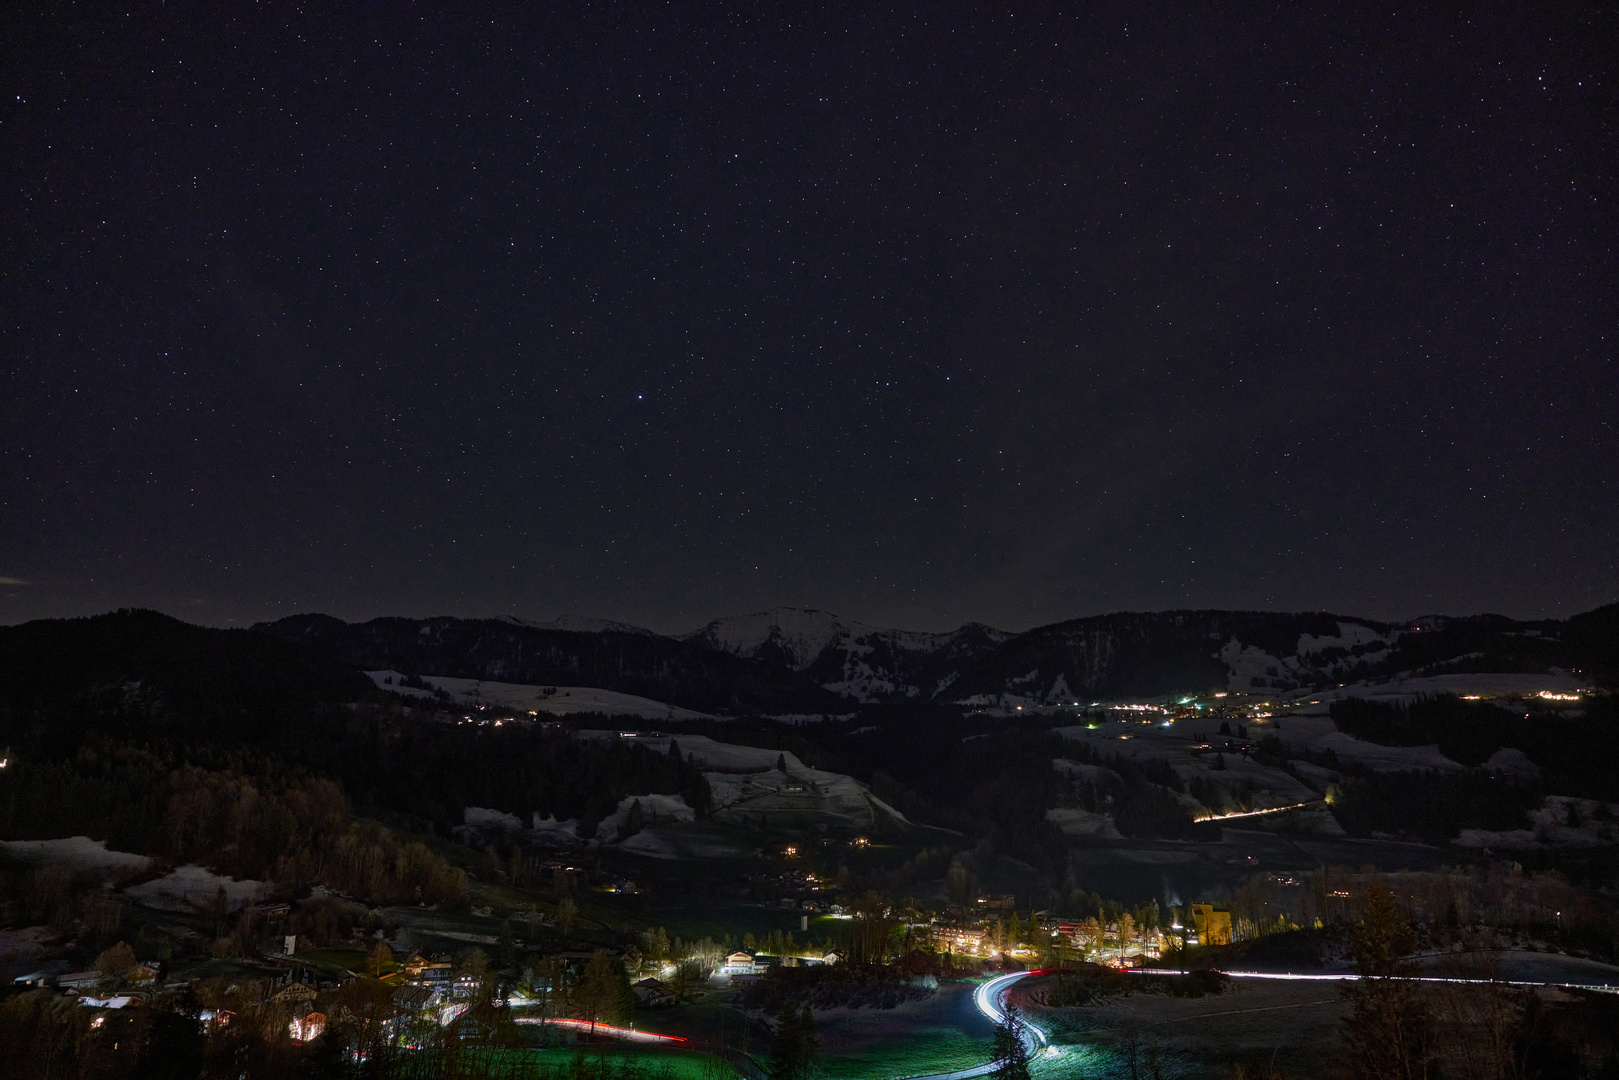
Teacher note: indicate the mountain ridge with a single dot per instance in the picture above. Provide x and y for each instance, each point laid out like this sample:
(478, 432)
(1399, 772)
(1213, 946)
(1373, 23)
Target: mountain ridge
(865, 663)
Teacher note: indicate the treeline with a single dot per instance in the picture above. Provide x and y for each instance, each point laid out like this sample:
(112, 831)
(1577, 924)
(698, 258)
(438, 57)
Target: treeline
(830, 986)
(46, 1037)
(992, 781)
(142, 677)
(1139, 795)
(1093, 983)
(241, 813)
(1433, 806)
(142, 674)
(1487, 901)
(1474, 1024)
(395, 764)
(1573, 753)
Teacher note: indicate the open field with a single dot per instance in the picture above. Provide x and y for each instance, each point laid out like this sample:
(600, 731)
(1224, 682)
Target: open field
(1298, 1022)
(620, 1061)
(940, 1033)
(661, 1063)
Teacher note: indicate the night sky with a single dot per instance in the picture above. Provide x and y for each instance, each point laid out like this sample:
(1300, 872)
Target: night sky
(664, 312)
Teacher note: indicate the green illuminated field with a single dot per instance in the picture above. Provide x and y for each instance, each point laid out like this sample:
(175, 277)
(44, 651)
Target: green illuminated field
(631, 1062)
(917, 1053)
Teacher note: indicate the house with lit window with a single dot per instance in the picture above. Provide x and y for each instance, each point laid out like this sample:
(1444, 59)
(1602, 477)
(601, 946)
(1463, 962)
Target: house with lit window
(742, 963)
(959, 939)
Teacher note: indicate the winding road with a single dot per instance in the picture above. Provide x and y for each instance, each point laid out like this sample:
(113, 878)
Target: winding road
(990, 999)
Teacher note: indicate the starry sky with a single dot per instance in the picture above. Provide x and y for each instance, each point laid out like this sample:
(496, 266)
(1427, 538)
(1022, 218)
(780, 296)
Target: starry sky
(661, 312)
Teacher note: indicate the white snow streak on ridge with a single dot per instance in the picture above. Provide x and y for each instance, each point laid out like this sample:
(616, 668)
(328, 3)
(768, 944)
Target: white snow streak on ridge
(525, 697)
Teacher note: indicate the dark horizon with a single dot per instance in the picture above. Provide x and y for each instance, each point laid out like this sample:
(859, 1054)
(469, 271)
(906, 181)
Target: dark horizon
(687, 631)
(658, 315)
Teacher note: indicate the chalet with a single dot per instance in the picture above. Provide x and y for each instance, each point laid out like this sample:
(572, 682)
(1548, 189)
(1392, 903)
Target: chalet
(293, 994)
(307, 1027)
(959, 939)
(652, 994)
(741, 963)
(418, 964)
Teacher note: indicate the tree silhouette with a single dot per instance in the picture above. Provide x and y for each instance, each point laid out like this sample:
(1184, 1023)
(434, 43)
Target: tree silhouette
(1010, 1051)
(795, 1051)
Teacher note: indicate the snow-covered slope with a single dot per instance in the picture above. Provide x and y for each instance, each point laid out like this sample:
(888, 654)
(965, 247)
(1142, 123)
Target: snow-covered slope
(858, 661)
(556, 700)
(1146, 654)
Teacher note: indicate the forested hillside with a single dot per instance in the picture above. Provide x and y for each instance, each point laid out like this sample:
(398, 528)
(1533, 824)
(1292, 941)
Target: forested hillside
(660, 668)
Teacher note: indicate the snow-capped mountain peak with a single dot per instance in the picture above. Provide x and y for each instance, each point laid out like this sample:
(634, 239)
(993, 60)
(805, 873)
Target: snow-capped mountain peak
(791, 637)
(851, 658)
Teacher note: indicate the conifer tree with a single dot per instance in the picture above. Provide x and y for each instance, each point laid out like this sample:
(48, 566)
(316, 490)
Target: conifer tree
(795, 1051)
(809, 1047)
(784, 1048)
(1010, 1052)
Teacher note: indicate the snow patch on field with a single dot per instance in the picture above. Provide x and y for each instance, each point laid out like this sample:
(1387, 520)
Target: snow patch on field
(1248, 666)
(1079, 770)
(192, 888)
(523, 697)
(479, 824)
(797, 798)
(689, 841)
(1074, 822)
(1512, 762)
(76, 853)
(1349, 636)
(702, 749)
(654, 809)
(553, 833)
(1384, 758)
(748, 787)
(651, 845)
(1485, 684)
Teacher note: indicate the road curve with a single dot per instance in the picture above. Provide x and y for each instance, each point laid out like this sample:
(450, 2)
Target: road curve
(989, 998)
